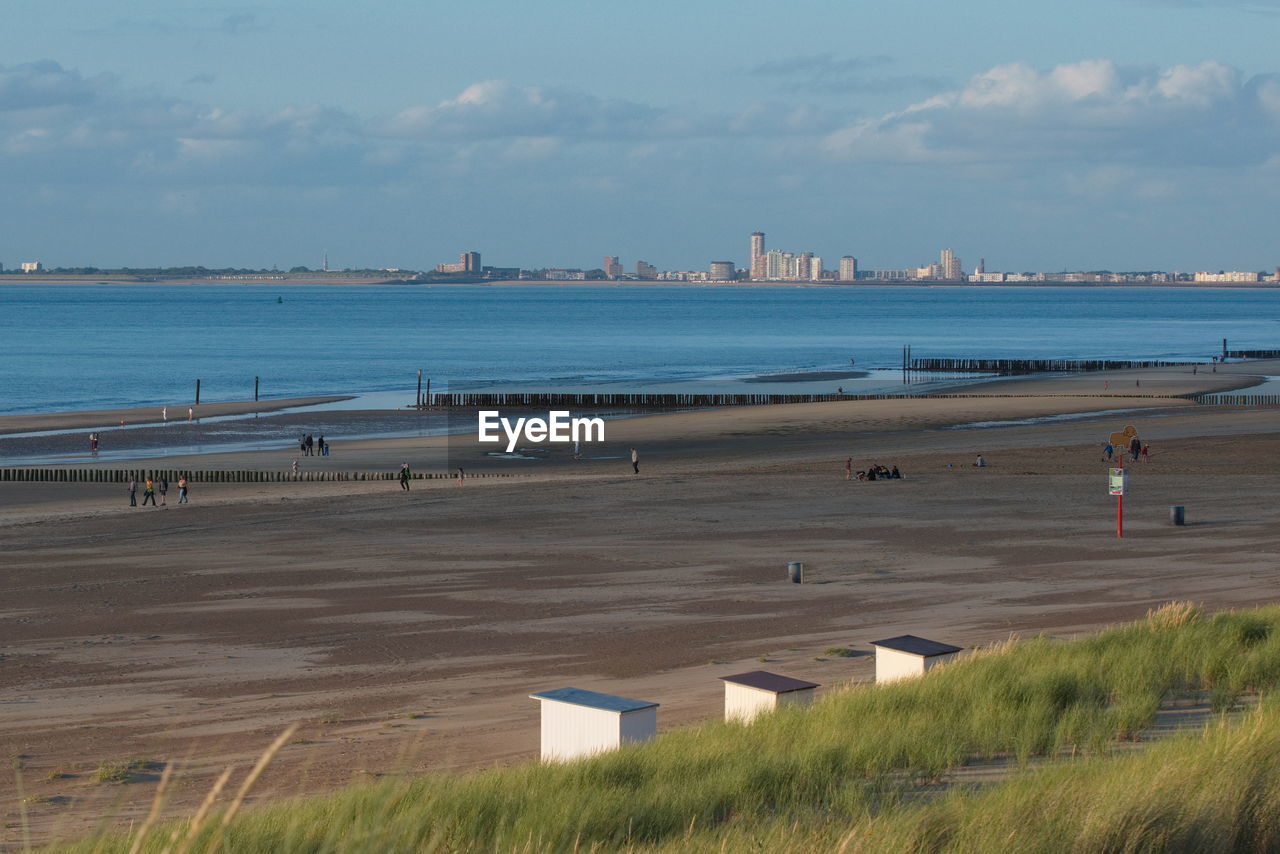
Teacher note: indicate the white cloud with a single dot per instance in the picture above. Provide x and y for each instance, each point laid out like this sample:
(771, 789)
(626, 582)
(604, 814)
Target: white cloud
(499, 109)
(1083, 111)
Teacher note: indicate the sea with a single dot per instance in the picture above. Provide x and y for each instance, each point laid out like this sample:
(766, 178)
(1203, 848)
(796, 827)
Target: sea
(99, 346)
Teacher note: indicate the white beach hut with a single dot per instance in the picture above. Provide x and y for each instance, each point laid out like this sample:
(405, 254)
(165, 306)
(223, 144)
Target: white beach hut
(748, 694)
(908, 655)
(576, 722)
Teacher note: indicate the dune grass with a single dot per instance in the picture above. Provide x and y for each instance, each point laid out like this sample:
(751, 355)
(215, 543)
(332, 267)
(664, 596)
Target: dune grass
(860, 770)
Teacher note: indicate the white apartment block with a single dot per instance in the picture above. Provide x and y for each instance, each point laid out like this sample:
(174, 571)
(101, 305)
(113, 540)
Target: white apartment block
(1234, 276)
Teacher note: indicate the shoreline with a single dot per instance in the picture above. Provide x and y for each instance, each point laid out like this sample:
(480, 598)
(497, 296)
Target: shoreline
(352, 281)
(105, 419)
(273, 427)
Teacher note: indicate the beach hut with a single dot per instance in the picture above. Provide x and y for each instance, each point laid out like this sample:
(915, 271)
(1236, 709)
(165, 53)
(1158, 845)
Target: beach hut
(748, 694)
(576, 722)
(908, 655)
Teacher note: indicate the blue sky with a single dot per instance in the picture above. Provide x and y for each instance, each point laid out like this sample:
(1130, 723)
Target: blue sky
(1124, 135)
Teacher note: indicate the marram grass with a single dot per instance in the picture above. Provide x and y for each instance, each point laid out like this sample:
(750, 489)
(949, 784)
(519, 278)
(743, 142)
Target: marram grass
(866, 769)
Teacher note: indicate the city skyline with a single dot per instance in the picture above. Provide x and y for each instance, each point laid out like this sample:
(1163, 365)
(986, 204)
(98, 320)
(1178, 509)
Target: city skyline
(226, 134)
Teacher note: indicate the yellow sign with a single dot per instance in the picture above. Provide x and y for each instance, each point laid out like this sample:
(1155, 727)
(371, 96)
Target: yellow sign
(1123, 439)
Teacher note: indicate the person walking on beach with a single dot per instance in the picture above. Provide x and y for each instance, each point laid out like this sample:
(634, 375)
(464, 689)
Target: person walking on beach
(310, 444)
(149, 492)
(635, 461)
(182, 489)
(191, 413)
(1146, 449)
(462, 475)
(164, 414)
(1108, 450)
(404, 476)
(164, 490)
(1135, 448)
(133, 492)
(848, 469)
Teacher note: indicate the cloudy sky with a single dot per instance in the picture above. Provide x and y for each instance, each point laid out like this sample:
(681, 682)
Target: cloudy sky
(1092, 134)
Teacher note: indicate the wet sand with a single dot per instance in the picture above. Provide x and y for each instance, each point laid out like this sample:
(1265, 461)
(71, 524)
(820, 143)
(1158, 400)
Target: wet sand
(102, 419)
(406, 629)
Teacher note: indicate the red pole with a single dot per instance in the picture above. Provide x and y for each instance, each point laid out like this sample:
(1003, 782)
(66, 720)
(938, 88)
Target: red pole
(1120, 501)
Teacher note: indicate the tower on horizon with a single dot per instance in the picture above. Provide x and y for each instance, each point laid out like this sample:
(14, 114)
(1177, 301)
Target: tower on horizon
(949, 266)
(326, 261)
(757, 255)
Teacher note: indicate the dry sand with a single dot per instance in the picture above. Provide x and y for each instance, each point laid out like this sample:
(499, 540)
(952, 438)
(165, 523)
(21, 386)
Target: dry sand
(405, 630)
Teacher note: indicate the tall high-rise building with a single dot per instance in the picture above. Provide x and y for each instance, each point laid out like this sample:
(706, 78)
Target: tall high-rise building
(950, 266)
(470, 262)
(612, 267)
(815, 269)
(775, 264)
(757, 255)
(803, 263)
(645, 270)
(848, 268)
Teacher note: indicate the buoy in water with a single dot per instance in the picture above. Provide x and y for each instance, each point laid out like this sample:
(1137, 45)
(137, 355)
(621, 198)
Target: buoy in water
(279, 300)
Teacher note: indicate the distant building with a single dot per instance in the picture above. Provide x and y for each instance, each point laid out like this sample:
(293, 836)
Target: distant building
(721, 271)
(757, 255)
(645, 270)
(949, 266)
(32, 266)
(802, 267)
(468, 262)
(559, 275)
(986, 277)
(1234, 276)
(612, 267)
(848, 268)
(815, 269)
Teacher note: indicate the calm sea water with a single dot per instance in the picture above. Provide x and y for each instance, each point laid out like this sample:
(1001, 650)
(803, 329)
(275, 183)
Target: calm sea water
(98, 346)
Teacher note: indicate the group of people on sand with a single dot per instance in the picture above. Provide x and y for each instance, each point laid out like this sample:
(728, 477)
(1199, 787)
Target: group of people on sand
(153, 486)
(1138, 451)
(873, 472)
(313, 447)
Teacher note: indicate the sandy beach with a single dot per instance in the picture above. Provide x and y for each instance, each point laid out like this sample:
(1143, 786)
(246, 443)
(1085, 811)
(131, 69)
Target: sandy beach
(405, 630)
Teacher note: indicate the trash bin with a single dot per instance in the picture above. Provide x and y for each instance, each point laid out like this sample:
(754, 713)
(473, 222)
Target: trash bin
(1178, 515)
(795, 571)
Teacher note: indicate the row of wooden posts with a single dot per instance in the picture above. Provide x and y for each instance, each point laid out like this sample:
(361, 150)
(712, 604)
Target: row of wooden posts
(1237, 399)
(536, 400)
(1033, 366)
(69, 475)
(1251, 354)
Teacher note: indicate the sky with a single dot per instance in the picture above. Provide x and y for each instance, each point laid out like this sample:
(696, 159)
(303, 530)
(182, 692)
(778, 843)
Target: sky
(1087, 135)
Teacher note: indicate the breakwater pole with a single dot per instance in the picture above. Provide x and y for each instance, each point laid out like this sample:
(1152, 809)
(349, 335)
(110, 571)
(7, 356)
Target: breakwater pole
(71, 475)
(256, 381)
(419, 397)
(197, 392)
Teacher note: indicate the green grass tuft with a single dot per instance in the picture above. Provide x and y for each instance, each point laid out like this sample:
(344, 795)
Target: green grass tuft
(1053, 725)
